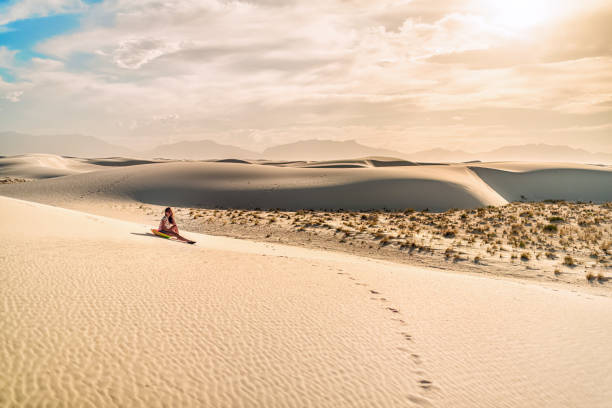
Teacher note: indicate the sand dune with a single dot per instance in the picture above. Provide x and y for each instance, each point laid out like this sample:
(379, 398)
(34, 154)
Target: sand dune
(106, 314)
(201, 184)
(41, 166)
(377, 183)
(374, 161)
(543, 181)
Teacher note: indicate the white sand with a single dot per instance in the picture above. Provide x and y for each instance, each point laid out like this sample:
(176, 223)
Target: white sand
(42, 165)
(377, 183)
(543, 181)
(38, 166)
(94, 313)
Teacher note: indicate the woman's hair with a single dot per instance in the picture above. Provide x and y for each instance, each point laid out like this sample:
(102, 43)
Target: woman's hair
(171, 217)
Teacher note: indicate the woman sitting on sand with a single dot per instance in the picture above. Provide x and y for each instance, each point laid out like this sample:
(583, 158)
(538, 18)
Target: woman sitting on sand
(169, 227)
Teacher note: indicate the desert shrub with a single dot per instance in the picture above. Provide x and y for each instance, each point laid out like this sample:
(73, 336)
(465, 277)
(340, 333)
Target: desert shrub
(550, 228)
(556, 219)
(449, 233)
(525, 256)
(569, 261)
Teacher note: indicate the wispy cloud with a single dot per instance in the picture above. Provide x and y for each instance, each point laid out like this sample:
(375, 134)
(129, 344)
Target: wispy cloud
(24, 9)
(14, 96)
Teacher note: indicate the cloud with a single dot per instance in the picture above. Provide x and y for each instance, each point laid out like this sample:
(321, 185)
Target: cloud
(134, 53)
(7, 57)
(23, 9)
(259, 71)
(585, 35)
(14, 96)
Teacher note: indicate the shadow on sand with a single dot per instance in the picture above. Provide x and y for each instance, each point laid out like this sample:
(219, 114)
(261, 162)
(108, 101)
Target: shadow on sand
(148, 234)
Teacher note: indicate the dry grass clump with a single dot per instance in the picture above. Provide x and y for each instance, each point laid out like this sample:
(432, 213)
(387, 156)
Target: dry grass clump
(13, 180)
(525, 256)
(449, 233)
(550, 228)
(449, 252)
(569, 261)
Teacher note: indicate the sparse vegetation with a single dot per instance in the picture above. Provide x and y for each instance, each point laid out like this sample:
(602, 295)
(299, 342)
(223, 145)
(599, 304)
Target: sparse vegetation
(578, 234)
(551, 228)
(449, 233)
(569, 261)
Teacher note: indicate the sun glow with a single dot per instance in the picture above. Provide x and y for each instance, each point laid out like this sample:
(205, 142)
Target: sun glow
(521, 14)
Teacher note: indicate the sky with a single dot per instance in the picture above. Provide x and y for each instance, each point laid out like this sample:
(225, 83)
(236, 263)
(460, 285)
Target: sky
(407, 75)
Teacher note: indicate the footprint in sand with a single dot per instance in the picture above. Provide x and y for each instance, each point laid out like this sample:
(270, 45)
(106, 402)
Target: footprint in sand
(406, 336)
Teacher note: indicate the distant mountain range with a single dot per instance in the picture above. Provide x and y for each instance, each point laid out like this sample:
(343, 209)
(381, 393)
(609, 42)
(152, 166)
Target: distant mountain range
(12, 143)
(199, 150)
(324, 150)
(529, 152)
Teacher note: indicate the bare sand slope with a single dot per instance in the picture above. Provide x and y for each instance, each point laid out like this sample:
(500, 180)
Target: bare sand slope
(543, 181)
(243, 185)
(373, 161)
(96, 312)
(200, 184)
(41, 166)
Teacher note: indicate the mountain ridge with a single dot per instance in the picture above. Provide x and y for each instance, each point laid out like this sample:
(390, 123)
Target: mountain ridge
(15, 143)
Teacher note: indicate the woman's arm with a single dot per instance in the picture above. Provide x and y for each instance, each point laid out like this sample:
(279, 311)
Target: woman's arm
(161, 225)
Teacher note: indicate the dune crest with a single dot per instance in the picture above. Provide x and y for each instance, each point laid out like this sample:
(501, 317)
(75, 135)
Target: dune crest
(205, 184)
(357, 184)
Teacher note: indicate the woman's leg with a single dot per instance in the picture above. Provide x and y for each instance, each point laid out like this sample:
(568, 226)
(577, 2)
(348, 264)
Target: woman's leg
(174, 234)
